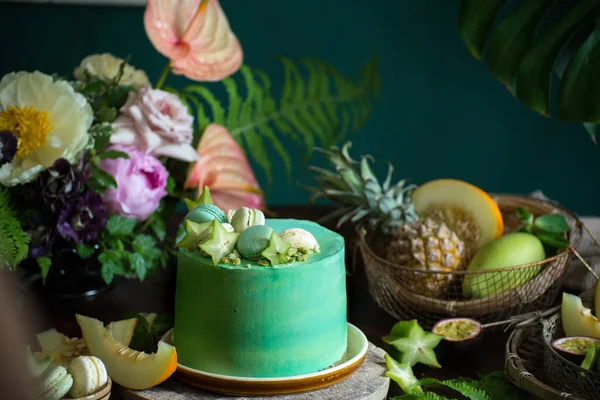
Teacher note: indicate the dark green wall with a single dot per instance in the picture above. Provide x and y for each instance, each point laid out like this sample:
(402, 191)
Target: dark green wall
(441, 114)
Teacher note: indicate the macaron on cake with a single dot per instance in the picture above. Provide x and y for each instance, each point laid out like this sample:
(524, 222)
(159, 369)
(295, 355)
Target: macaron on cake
(259, 297)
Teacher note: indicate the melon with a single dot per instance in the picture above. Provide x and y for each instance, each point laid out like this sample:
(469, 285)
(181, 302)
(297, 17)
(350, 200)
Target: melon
(129, 368)
(458, 200)
(123, 330)
(61, 348)
(578, 320)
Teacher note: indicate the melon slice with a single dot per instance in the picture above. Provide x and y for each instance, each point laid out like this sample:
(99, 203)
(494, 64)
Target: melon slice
(578, 320)
(129, 368)
(123, 330)
(61, 348)
(454, 201)
(597, 299)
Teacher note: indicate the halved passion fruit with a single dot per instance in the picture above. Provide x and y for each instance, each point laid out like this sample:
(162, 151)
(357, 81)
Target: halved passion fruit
(574, 345)
(457, 329)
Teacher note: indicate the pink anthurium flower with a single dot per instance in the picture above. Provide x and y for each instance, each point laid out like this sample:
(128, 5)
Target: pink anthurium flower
(223, 167)
(196, 37)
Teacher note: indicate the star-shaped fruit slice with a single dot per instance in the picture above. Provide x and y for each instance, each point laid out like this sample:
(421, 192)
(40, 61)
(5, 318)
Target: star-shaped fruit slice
(194, 233)
(277, 252)
(402, 374)
(414, 344)
(205, 198)
(220, 243)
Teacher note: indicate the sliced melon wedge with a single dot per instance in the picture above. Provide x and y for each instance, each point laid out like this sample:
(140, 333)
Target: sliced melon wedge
(129, 368)
(578, 320)
(457, 200)
(59, 347)
(123, 330)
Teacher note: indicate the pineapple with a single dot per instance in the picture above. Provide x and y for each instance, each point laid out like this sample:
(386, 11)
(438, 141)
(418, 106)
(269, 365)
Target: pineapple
(388, 213)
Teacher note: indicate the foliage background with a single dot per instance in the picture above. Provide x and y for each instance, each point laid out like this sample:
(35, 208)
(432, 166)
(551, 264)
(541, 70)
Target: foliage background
(440, 113)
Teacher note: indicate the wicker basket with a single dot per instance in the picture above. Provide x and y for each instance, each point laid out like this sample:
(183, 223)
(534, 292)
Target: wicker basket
(561, 372)
(518, 289)
(524, 365)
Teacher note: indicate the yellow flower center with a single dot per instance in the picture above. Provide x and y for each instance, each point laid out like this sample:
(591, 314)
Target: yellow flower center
(30, 126)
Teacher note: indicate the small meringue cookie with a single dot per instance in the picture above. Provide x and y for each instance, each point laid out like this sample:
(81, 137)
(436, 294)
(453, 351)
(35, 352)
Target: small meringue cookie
(245, 217)
(300, 239)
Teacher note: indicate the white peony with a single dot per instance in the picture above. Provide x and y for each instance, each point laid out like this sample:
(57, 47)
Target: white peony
(49, 119)
(106, 67)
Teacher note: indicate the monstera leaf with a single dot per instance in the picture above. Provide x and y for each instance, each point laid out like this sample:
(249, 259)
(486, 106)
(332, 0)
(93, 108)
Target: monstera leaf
(528, 42)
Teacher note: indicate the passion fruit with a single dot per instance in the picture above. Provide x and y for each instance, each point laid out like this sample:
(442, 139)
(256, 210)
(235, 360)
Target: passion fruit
(457, 329)
(574, 348)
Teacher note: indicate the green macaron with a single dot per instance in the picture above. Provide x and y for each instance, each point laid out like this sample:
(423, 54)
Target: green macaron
(206, 213)
(55, 383)
(254, 241)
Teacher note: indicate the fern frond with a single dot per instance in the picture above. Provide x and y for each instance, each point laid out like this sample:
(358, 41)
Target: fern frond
(14, 242)
(316, 105)
(463, 386)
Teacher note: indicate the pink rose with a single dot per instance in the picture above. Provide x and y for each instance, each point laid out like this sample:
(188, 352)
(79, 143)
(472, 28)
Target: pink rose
(157, 123)
(141, 182)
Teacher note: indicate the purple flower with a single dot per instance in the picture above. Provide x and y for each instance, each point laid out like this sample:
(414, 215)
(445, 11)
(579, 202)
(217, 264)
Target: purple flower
(141, 181)
(8, 147)
(82, 219)
(42, 234)
(60, 184)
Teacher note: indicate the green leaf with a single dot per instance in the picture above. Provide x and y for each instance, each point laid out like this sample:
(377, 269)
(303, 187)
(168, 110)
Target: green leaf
(551, 239)
(159, 228)
(534, 73)
(94, 185)
(171, 186)
(513, 37)
(44, 263)
(107, 273)
(114, 259)
(552, 223)
(525, 216)
(85, 251)
(309, 110)
(113, 154)
(14, 241)
(120, 226)
(475, 21)
(107, 114)
(139, 264)
(102, 177)
(163, 322)
(579, 94)
(143, 243)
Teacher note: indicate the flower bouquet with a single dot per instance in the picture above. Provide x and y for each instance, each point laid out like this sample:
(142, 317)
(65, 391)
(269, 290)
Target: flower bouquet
(91, 166)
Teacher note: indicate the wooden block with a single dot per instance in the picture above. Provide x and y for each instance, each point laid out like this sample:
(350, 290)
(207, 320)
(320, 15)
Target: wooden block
(368, 383)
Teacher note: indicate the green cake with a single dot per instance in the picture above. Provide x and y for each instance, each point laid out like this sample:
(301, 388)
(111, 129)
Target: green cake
(254, 319)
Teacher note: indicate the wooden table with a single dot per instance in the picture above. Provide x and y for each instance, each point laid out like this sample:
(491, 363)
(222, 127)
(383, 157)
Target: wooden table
(156, 294)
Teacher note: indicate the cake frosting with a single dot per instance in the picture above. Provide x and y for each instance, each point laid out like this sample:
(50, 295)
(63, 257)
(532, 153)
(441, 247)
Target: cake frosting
(257, 320)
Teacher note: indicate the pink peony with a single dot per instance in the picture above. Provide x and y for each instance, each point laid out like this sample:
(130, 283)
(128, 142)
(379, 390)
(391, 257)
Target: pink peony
(141, 182)
(157, 123)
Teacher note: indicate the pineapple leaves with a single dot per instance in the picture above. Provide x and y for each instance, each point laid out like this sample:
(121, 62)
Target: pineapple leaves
(14, 242)
(316, 105)
(361, 197)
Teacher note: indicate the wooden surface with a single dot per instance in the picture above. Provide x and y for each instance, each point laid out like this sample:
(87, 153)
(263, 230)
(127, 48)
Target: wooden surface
(156, 294)
(368, 383)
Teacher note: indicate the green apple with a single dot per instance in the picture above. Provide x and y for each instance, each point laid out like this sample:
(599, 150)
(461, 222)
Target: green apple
(507, 251)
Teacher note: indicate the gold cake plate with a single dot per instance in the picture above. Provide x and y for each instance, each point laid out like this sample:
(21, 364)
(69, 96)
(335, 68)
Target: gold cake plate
(244, 386)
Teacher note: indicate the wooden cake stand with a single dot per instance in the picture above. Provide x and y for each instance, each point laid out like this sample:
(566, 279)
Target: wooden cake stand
(368, 383)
